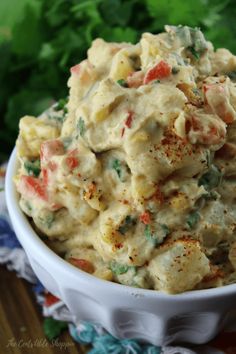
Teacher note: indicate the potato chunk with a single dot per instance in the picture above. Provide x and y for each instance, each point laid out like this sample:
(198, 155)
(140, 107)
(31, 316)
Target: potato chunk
(33, 132)
(178, 266)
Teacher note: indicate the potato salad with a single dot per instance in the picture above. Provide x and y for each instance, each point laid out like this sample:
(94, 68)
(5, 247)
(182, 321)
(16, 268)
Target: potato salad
(133, 177)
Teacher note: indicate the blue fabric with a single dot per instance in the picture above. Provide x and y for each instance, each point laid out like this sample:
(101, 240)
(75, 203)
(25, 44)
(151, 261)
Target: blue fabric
(150, 349)
(107, 344)
(7, 236)
(88, 335)
(38, 288)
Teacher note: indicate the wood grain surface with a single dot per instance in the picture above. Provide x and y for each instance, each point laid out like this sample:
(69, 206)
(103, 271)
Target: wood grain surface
(21, 322)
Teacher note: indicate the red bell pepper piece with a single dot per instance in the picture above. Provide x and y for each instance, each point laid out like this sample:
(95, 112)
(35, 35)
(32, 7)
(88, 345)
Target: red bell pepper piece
(157, 72)
(33, 187)
(145, 218)
(82, 264)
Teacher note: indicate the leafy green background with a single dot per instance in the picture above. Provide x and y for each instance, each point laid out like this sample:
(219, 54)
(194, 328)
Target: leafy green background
(41, 39)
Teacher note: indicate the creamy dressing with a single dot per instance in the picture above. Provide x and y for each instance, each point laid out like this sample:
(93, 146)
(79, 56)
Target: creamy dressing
(132, 179)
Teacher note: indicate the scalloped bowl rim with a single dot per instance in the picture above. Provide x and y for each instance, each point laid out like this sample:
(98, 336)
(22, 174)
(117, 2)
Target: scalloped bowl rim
(37, 245)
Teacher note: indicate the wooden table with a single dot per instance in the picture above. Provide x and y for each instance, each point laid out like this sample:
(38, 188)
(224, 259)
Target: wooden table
(21, 321)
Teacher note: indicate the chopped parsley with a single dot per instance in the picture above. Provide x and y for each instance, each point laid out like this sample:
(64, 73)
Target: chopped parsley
(156, 235)
(61, 105)
(81, 126)
(193, 219)
(33, 167)
(58, 119)
(122, 83)
(194, 53)
(191, 38)
(47, 219)
(127, 224)
(121, 168)
(116, 165)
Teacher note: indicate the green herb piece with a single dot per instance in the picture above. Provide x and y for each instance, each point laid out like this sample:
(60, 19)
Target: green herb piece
(140, 278)
(127, 224)
(175, 70)
(147, 232)
(33, 167)
(156, 81)
(191, 38)
(47, 219)
(2, 189)
(193, 51)
(128, 278)
(122, 83)
(156, 235)
(211, 179)
(118, 269)
(52, 328)
(121, 168)
(58, 119)
(193, 219)
(61, 105)
(116, 165)
(81, 126)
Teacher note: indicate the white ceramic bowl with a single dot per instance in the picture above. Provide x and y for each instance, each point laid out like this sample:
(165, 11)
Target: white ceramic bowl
(126, 312)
